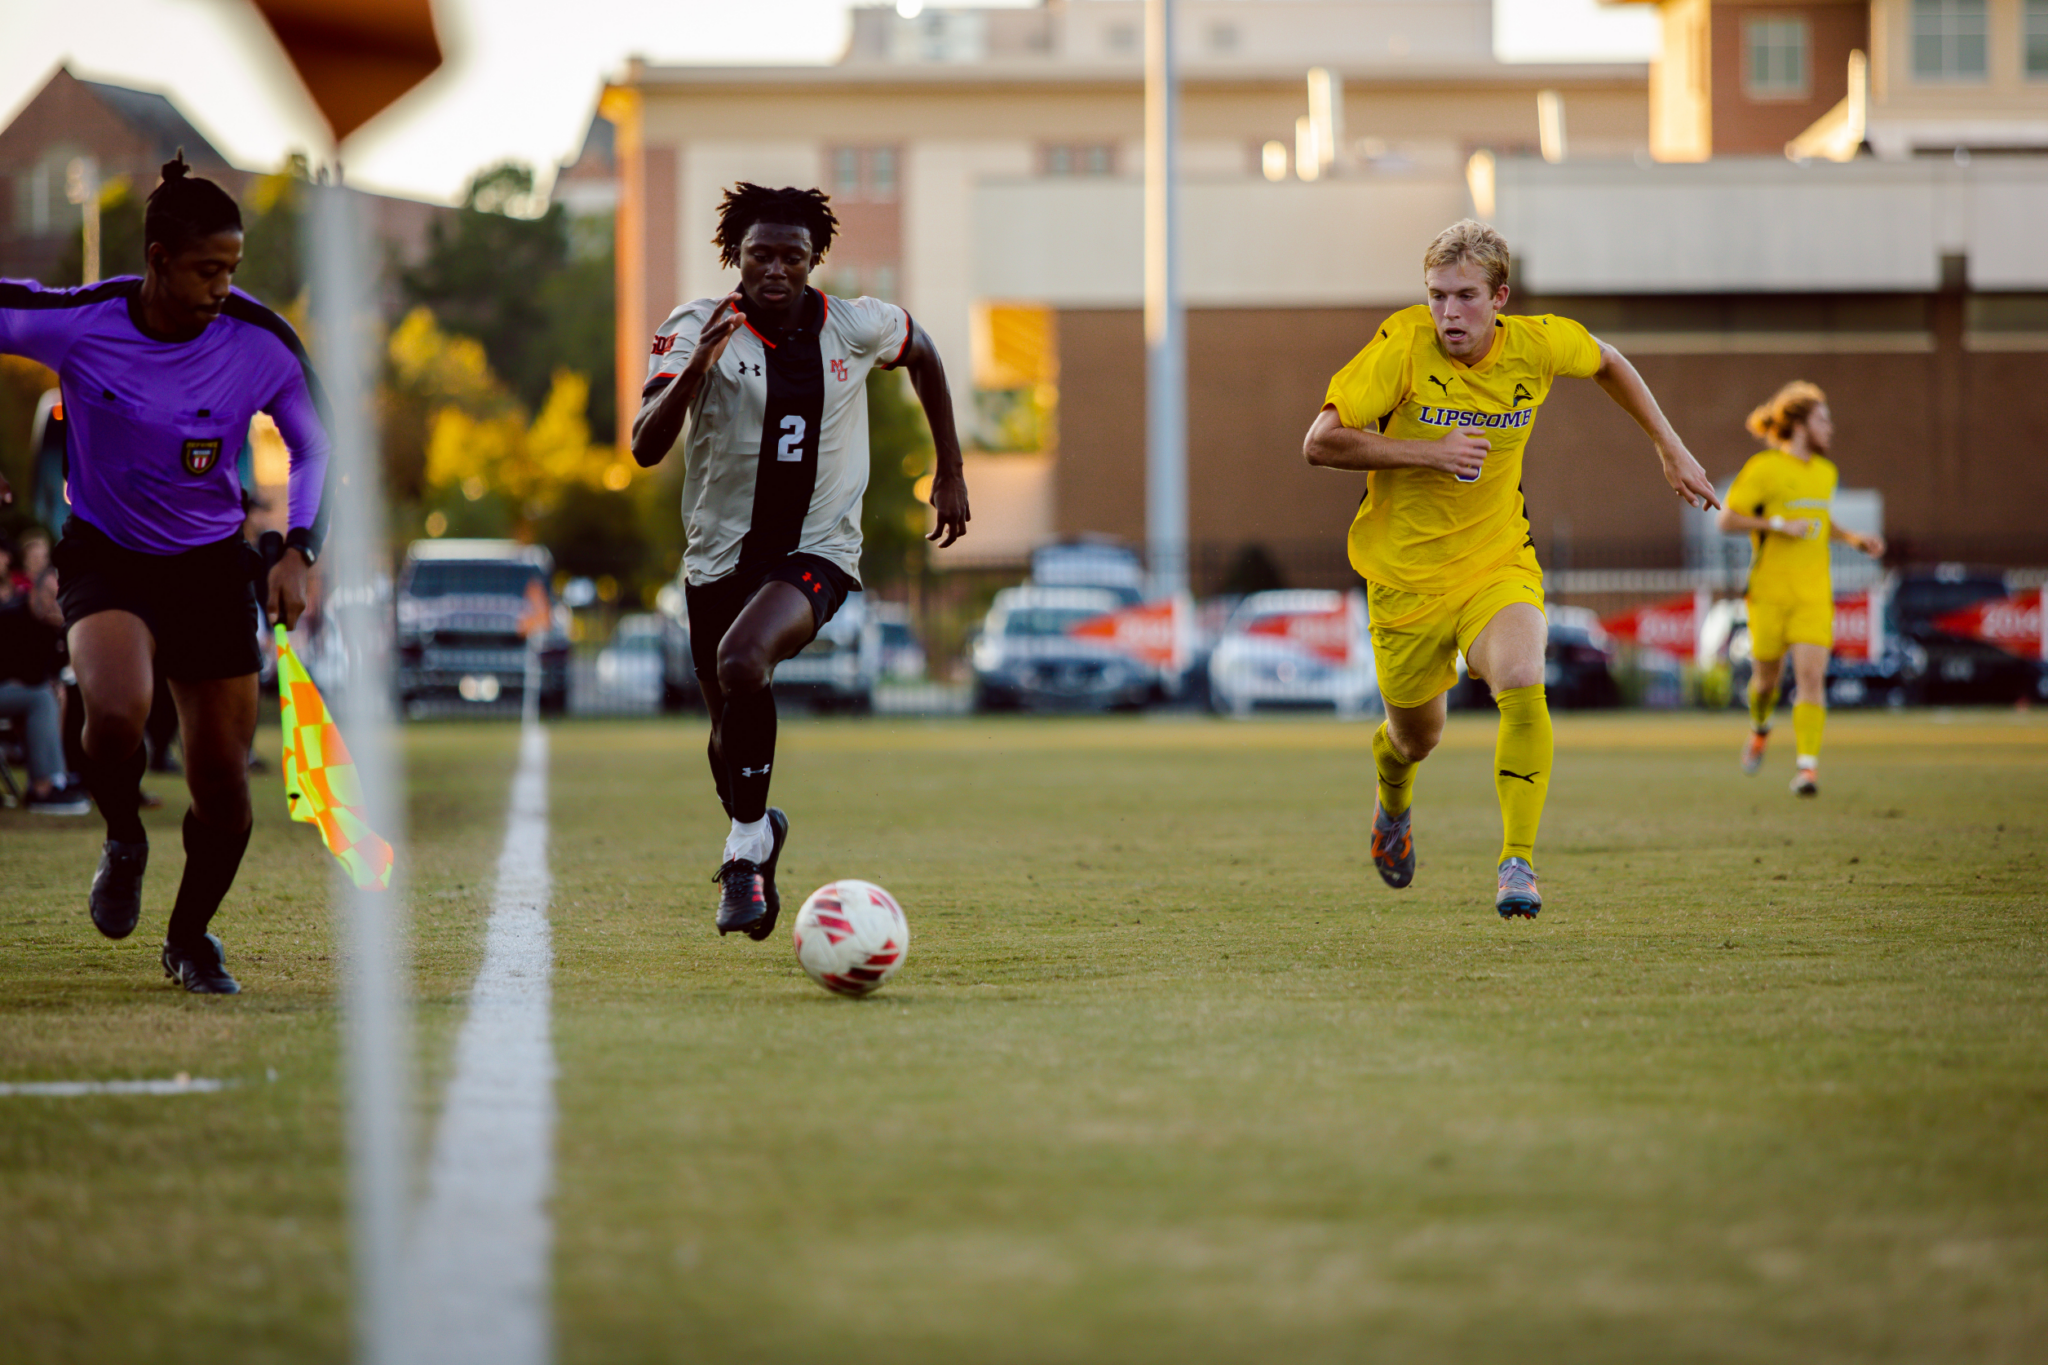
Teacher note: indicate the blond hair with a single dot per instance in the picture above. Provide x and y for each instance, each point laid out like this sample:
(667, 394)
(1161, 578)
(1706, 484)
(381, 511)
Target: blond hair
(1788, 408)
(1468, 239)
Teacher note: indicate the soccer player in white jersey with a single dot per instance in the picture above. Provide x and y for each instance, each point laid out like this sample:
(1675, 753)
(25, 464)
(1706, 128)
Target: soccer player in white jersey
(771, 380)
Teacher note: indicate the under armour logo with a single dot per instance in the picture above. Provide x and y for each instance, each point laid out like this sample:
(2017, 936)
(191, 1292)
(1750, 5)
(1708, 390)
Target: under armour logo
(1440, 384)
(761, 771)
(1530, 778)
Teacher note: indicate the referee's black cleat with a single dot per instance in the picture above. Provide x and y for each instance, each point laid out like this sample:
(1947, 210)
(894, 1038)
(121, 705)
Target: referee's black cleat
(201, 968)
(779, 823)
(116, 898)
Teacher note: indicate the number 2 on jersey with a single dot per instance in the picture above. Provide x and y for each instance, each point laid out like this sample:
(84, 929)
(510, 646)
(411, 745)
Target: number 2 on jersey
(790, 447)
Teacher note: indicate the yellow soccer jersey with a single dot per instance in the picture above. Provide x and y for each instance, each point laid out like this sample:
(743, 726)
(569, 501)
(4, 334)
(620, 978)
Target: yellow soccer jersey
(1422, 530)
(1774, 484)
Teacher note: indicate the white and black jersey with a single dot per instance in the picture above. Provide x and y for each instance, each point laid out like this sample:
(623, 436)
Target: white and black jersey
(776, 451)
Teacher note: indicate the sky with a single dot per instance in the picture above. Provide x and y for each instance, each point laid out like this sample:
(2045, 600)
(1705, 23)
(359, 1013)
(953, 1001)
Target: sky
(518, 83)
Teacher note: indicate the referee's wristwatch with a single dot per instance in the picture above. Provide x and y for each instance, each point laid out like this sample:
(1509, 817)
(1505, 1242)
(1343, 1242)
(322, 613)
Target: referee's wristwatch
(301, 540)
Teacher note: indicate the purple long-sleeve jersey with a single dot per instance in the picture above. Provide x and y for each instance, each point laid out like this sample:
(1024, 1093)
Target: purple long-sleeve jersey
(157, 426)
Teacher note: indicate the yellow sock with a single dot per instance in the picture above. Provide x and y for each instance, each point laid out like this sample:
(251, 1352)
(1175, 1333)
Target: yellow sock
(1761, 704)
(1809, 718)
(1397, 774)
(1521, 762)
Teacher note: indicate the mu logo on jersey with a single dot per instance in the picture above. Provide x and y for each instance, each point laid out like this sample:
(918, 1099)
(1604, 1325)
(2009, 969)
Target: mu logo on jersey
(1459, 417)
(839, 370)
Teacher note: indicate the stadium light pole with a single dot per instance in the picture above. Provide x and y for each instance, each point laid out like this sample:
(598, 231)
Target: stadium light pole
(1166, 361)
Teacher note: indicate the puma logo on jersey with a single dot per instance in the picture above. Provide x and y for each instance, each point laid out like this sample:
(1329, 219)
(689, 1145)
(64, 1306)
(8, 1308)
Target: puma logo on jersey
(1440, 384)
(1522, 395)
(1530, 778)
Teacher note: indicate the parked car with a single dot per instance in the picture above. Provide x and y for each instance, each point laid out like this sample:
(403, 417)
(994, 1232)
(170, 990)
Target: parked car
(1096, 562)
(633, 667)
(1294, 648)
(468, 612)
(1933, 666)
(903, 657)
(1025, 658)
(680, 689)
(838, 669)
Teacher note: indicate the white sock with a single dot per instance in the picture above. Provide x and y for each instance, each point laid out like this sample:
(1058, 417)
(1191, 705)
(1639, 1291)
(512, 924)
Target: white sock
(752, 840)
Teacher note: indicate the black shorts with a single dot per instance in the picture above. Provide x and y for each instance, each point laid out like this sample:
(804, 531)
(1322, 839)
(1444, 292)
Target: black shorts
(199, 604)
(717, 604)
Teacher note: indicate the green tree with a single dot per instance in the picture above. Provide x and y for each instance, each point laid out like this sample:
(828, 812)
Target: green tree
(893, 519)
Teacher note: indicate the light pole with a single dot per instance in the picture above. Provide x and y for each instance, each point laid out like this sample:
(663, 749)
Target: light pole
(1166, 434)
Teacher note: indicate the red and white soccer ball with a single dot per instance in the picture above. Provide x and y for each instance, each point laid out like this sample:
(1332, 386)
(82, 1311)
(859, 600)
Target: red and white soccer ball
(851, 937)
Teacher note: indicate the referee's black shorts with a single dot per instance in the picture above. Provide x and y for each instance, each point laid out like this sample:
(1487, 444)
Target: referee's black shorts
(716, 605)
(200, 604)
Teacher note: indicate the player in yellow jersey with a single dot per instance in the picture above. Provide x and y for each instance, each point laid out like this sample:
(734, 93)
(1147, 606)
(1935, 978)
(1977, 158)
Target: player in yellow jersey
(1437, 410)
(1782, 499)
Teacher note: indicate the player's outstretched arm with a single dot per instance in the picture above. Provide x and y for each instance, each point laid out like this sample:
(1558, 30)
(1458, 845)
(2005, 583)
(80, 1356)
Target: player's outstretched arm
(1332, 445)
(949, 479)
(1628, 390)
(1872, 545)
(662, 415)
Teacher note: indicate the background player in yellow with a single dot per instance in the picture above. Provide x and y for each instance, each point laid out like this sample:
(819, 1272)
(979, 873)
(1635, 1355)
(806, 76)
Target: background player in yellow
(1437, 410)
(1782, 499)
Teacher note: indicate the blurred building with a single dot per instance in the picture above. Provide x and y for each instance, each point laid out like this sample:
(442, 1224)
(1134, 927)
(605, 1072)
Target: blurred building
(126, 134)
(987, 165)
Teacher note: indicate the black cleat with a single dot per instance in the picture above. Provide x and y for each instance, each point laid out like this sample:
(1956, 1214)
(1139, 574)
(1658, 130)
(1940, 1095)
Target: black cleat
(779, 823)
(116, 898)
(201, 968)
(742, 899)
(1393, 847)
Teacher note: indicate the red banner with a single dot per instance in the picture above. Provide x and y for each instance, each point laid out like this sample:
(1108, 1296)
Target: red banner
(1152, 631)
(1853, 626)
(1325, 634)
(2011, 623)
(1671, 626)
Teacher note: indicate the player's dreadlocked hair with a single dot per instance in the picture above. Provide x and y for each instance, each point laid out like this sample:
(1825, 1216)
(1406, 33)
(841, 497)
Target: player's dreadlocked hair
(746, 204)
(185, 208)
(1789, 406)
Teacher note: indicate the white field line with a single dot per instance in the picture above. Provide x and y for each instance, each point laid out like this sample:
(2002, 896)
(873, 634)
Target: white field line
(174, 1085)
(484, 1240)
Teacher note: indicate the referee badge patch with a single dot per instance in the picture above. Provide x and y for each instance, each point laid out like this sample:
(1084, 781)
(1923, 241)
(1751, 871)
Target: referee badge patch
(201, 456)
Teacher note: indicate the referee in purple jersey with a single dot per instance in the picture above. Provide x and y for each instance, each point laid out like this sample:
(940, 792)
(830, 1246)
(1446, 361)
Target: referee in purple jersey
(160, 376)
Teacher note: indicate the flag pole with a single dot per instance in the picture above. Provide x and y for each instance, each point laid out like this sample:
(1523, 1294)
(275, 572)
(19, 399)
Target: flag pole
(376, 1006)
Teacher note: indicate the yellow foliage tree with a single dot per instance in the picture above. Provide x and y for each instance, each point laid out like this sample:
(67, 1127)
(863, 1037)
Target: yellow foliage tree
(478, 435)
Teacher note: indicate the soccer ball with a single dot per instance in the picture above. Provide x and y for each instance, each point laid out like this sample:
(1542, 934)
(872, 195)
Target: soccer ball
(851, 937)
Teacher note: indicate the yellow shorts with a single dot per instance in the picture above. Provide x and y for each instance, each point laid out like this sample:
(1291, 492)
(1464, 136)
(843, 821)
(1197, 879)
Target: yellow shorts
(1416, 638)
(1775, 623)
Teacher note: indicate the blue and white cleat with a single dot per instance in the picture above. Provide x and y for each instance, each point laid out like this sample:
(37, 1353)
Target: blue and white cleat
(1518, 897)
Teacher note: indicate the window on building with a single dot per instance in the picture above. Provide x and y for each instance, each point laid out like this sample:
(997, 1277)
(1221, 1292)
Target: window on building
(1122, 38)
(846, 172)
(1084, 158)
(882, 174)
(1775, 66)
(1223, 37)
(2036, 40)
(1950, 40)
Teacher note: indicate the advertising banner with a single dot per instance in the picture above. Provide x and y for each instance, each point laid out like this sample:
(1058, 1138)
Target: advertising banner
(2011, 623)
(1672, 626)
(1159, 633)
(1329, 635)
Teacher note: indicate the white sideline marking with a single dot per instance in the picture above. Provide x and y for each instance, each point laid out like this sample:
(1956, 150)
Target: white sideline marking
(173, 1085)
(484, 1240)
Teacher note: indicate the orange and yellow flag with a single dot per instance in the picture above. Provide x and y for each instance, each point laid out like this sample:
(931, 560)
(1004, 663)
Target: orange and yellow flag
(320, 784)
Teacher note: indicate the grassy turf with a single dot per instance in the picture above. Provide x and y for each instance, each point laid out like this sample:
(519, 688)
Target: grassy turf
(1169, 1075)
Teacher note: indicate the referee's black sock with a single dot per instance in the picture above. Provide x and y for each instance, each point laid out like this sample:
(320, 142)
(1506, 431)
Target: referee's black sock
(212, 857)
(116, 788)
(746, 736)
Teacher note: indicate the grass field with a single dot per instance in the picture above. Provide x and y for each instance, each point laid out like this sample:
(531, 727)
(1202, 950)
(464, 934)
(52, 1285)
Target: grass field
(1169, 1075)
